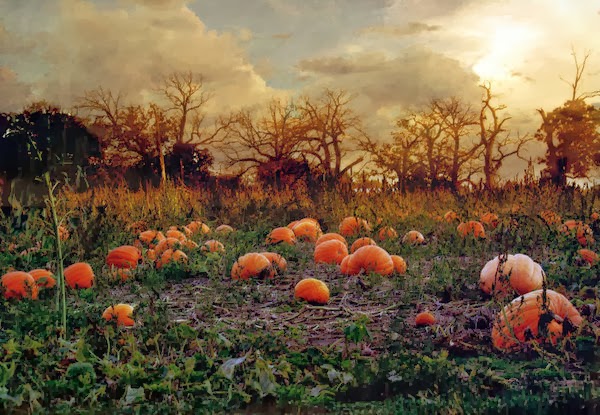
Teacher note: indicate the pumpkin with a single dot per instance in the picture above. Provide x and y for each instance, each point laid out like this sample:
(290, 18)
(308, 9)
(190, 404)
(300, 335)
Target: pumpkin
(120, 313)
(344, 267)
(277, 261)
(425, 319)
(137, 226)
(19, 284)
(167, 243)
(125, 256)
(594, 216)
(174, 233)
(400, 265)
(252, 265)
(63, 233)
(588, 256)
(330, 252)
(198, 227)
(312, 290)
(224, 229)
(213, 246)
(281, 235)
(521, 318)
(371, 258)
(360, 242)
(171, 255)
(490, 219)
(387, 232)
(550, 217)
(79, 275)
(450, 216)
(471, 227)
(151, 254)
(43, 278)
(151, 238)
(413, 238)
(520, 272)
(191, 245)
(307, 231)
(331, 236)
(582, 232)
(351, 226)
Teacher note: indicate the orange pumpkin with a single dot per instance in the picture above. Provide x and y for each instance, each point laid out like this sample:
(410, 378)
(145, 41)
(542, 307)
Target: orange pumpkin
(521, 317)
(490, 219)
(450, 216)
(43, 278)
(594, 216)
(121, 273)
(351, 226)
(400, 265)
(213, 246)
(360, 242)
(198, 227)
(151, 254)
(167, 243)
(371, 258)
(589, 256)
(125, 256)
(120, 313)
(312, 290)
(252, 265)
(471, 227)
(519, 271)
(425, 319)
(550, 217)
(345, 269)
(583, 233)
(281, 235)
(387, 232)
(331, 236)
(330, 252)
(307, 231)
(171, 255)
(191, 245)
(19, 284)
(79, 275)
(174, 233)
(277, 261)
(151, 238)
(224, 229)
(413, 238)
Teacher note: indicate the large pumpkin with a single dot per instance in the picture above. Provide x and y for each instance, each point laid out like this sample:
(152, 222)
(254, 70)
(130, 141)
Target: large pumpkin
(79, 275)
(371, 258)
(351, 226)
(120, 313)
(307, 231)
(43, 278)
(125, 256)
(360, 242)
(277, 261)
(281, 235)
(330, 252)
(19, 284)
(252, 265)
(312, 290)
(520, 319)
(519, 271)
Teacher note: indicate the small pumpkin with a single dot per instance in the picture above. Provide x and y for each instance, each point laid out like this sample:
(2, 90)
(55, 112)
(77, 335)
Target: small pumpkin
(18, 285)
(213, 246)
(171, 255)
(583, 233)
(167, 243)
(352, 226)
(174, 233)
(122, 273)
(550, 217)
(331, 236)
(471, 227)
(588, 256)
(594, 216)
(490, 219)
(520, 319)
(413, 238)
(198, 227)
(281, 235)
(120, 313)
(151, 238)
(43, 278)
(151, 254)
(224, 229)
(450, 216)
(360, 242)
(312, 290)
(79, 275)
(191, 245)
(277, 261)
(400, 265)
(425, 319)
(125, 256)
(330, 252)
(387, 232)
(252, 265)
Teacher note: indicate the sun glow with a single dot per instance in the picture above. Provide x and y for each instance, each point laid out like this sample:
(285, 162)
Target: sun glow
(508, 44)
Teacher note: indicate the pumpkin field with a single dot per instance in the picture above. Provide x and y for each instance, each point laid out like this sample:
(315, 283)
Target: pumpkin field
(179, 300)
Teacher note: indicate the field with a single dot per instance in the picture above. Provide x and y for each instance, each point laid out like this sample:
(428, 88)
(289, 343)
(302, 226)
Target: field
(203, 342)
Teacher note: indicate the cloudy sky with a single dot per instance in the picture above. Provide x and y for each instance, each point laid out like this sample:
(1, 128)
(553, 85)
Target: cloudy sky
(391, 53)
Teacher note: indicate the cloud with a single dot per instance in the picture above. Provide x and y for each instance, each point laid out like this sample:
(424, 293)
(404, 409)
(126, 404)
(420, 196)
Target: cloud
(411, 28)
(11, 44)
(131, 49)
(15, 94)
